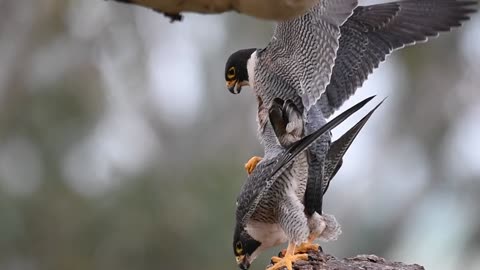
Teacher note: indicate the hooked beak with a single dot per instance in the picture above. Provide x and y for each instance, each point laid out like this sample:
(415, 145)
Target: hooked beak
(243, 262)
(235, 87)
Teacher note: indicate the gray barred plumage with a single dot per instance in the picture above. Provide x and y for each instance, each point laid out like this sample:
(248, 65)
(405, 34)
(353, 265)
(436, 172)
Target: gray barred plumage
(318, 61)
(373, 32)
(270, 207)
(285, 69)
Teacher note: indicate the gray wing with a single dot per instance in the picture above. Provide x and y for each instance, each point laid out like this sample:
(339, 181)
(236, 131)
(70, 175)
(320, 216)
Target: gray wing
(373, 32)
(302, 53)
(253, 186)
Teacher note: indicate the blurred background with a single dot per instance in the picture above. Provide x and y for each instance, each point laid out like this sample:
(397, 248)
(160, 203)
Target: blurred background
(120, 147)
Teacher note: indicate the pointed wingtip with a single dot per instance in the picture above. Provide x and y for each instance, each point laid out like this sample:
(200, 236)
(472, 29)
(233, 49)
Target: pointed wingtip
(365, 101)
(378, 105)
(369, 114)
(339, 147)
(304, 143)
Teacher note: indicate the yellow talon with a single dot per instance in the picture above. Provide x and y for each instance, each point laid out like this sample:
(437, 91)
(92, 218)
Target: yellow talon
(288, 259)
(252, 163)
(302, 248)
(306, 247)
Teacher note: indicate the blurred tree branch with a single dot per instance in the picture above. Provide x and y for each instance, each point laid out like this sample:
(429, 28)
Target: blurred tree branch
(321, 261)
(263, 9)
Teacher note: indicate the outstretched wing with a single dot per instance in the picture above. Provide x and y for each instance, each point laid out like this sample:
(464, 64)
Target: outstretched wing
(302, 52)
(266, 173)
(373, 32)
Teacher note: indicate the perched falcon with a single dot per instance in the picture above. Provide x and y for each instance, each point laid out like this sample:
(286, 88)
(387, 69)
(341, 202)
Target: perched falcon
(270, 208)
(318, 60)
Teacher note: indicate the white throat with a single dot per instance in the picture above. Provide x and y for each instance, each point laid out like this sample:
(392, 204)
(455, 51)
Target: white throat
(251, 63)
(269, 235)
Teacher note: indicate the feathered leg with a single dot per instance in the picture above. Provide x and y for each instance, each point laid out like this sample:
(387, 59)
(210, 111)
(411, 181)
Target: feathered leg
(294, 223)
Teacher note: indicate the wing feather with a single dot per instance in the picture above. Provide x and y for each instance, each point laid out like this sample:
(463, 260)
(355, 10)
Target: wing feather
(302, 53)
(373, 32)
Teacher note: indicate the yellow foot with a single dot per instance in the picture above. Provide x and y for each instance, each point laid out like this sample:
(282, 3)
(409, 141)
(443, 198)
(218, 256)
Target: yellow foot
(306, 247)
(302, 248)
(252, 163)
(287, 261)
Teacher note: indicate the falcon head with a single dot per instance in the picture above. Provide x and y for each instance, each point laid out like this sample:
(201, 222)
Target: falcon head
(236, 71)
(245, 248)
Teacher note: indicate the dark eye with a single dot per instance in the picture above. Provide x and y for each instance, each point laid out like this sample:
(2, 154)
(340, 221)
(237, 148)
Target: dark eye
(231, 73)
(239, 248)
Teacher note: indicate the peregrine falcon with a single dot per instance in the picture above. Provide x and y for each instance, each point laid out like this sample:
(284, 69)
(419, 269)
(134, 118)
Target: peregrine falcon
(318, 60)
(270, 208)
